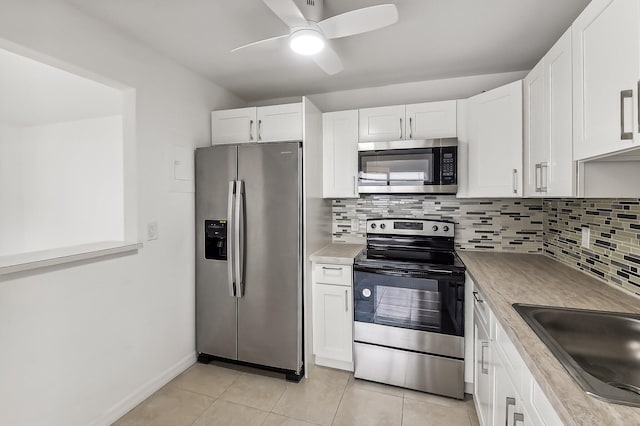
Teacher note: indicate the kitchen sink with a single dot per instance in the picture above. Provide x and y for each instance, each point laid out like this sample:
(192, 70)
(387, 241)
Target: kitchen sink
(601, 350)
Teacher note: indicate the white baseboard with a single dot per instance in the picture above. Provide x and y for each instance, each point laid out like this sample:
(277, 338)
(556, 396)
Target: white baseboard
(468, 387)
(144, 391)
(332, 363)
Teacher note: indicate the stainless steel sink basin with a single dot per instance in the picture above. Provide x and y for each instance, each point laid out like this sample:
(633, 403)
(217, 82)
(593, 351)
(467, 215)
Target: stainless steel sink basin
(601, 350)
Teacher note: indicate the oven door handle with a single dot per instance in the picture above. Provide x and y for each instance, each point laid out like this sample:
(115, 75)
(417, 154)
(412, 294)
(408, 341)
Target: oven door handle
(404, 273)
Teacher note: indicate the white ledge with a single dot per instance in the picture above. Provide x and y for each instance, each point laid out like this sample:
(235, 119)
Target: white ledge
(41, 259)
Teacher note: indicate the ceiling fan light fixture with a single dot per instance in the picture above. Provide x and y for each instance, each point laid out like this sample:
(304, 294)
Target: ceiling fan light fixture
(306, 42)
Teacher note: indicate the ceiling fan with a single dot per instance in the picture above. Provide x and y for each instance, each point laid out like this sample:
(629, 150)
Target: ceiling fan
(308, 32)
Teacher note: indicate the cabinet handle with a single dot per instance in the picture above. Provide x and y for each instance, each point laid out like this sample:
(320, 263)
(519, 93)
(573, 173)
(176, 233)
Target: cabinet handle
(259, 130)
(483, 369)
(475, 296)
(515, 181)
(518, 417)
(538, 171)
(250, 130)
(332, 268)
(400, 127)
(355, 185)
(544, 176)
(510, 401)
(410, 127)
(346, 301)
(624, 94)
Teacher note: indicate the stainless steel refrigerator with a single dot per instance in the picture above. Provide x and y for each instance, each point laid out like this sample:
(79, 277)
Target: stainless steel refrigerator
(248, 255)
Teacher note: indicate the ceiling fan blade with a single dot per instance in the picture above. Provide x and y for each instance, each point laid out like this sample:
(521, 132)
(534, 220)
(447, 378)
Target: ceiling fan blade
(328, 60)
(260, 42)
(359, 21)
(288, 12)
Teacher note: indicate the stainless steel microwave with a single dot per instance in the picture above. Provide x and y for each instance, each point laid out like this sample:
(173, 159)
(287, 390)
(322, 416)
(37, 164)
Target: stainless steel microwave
(427, 166)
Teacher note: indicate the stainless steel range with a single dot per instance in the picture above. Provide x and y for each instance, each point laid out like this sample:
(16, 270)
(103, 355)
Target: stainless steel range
(409, 307)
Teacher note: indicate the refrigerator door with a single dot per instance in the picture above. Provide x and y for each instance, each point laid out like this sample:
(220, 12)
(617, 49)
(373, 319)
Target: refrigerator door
(216, 308)
(270, 306)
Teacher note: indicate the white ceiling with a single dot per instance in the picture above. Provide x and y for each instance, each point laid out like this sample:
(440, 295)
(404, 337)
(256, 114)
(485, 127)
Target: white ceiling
(433, 39)
(33, 93)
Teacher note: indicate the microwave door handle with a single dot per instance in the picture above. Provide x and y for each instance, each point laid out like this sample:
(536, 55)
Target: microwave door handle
(230, 239)
(400, 127)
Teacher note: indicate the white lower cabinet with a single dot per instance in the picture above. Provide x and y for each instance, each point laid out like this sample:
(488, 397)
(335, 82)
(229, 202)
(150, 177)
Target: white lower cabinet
(505, 392)
(333, 316)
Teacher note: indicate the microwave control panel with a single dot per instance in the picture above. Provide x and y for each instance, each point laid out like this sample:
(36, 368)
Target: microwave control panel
(448, 170)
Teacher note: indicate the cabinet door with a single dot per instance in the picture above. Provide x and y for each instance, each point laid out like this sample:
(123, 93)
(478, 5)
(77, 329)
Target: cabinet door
(233, 126)
(382, 124)
(505, 397)
(431, 120)
(333, 322)
(606, 61)
(535, 125)
(279, 123)
(340, 154)
(557, 172)
(482, 388)
(495, 142)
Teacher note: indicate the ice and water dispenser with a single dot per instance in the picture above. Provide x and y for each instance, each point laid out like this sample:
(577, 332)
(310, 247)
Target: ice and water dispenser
(215, 245)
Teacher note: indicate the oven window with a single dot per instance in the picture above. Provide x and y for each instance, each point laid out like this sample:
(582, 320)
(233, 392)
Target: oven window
(405, 301)
(397, 167)
(407, 308)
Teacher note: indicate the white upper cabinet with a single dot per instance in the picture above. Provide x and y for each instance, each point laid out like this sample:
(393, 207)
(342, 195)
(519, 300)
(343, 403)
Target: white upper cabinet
(606, 69)
(548, 154)
(431, 120)
(275, 123)
(279, 123)
(494, 120)
(340, 154)
(233, 126)
(382, 124)
(536, 148)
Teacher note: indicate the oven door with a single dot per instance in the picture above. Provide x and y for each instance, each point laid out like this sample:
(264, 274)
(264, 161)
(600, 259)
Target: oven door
(407, 167)
(414, 300)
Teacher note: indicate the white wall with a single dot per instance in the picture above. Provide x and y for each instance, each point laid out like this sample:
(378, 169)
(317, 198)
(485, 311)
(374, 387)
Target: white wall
(83, 343)
(11, 206)
(72, 188)
(405, 93)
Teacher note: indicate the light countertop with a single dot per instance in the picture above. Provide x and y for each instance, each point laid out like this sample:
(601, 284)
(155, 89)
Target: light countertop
(337, 253)
(507, 278)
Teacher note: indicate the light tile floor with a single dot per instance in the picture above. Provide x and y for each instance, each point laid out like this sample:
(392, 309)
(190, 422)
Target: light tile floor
(208, 395)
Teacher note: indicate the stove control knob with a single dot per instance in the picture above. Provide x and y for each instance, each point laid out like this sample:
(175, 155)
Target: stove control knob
(373, 226)
(446, 228)
(366, 293)
(435, 228)
(382, 226)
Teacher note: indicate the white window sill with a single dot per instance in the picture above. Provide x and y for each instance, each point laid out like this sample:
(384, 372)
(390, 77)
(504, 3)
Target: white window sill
(41, 259)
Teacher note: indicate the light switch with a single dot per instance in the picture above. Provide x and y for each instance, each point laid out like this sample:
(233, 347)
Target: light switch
(152, 231)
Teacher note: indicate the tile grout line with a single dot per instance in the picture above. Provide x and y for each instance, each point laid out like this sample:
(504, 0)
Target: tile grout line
(333, 419)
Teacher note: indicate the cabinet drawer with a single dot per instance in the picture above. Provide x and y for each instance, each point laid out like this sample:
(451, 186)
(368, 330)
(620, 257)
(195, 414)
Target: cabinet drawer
(332, 274)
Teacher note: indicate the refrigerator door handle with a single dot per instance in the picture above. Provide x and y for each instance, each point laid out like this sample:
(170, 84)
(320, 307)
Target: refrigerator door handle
(238, 245)
(230, 241)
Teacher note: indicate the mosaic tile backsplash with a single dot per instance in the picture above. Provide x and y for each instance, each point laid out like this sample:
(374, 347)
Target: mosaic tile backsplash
(614, 253)
(514, 225)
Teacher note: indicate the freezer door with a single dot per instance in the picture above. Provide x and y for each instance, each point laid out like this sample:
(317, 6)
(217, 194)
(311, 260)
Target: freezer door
(270, 307)
(216, 310)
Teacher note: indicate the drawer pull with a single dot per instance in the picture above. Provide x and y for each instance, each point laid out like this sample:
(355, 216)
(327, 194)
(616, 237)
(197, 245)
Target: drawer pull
(518, 417)
(330, 268)
(510, 401)
(475, 296)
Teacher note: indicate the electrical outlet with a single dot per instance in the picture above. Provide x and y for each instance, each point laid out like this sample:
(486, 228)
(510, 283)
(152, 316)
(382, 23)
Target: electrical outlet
(152, 231)
(586, 235)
